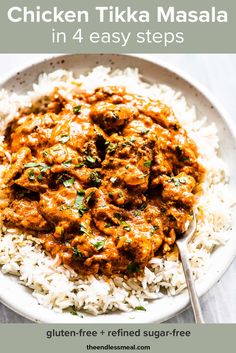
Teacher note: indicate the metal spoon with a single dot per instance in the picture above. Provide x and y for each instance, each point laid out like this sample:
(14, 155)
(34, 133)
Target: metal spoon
(182, 246)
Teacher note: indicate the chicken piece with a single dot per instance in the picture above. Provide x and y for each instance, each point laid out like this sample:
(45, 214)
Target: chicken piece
(106, 257)
(143, 127)
(179, 189)
(126, 175)
(103, 212)
(34, 179)
(112, 94)
(112, 117)
(63, 208)
(33, 131)
(24, 213)
(160, 113)
(140, 241)
(18, 160)
(60, 153)
(77, 132)
(177, 218)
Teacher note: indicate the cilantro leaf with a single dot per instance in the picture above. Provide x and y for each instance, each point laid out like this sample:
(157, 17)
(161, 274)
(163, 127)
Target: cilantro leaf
(32, 164)
(77, 254)
(69, 182)
(31, 176)
(79, 165)
(90, 159)
(77, 109)
(63, 139)
(98, 244)
(44, 168)
(112, 148)
(95, 179)
(148, 163)
(83, 229)
(140, 307)
(88, 198)
(133, 268)
(126, 226)
(67, 164)
(79, 202)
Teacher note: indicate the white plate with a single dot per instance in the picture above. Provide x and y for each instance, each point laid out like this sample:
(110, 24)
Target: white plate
(18, 297)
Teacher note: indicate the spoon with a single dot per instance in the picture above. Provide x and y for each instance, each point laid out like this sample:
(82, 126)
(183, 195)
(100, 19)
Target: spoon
(182, 243)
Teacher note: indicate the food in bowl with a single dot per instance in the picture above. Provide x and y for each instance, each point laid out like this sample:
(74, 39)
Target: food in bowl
(98, 179)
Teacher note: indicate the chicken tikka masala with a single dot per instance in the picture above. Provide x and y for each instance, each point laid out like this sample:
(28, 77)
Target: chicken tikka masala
(106, 180)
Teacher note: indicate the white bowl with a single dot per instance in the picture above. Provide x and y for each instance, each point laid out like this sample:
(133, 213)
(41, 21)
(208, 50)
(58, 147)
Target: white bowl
(18, 297)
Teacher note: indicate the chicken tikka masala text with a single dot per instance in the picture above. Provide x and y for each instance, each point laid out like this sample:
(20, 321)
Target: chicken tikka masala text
(106, 179)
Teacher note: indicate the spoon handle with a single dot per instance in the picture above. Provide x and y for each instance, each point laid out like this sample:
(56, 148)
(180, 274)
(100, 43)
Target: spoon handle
(197, 311)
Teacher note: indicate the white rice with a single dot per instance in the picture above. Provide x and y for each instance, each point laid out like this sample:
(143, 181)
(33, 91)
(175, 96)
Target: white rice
(58, 287)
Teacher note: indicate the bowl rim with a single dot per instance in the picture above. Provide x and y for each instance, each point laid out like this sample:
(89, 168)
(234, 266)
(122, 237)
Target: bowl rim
(206, 94)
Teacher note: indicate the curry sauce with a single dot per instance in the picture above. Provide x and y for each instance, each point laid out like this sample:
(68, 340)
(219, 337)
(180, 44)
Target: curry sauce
(106, 179)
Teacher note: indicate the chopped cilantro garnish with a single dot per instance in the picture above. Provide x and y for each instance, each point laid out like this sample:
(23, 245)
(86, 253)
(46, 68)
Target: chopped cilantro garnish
(118, 216)
(44, 168)
(31, 176)
(79, 165)
(64, 207)
(95, 179)
(90, 159)
(126, 226)
(67, 164)
(32, 164)
(133, 268)
(148, 163)
(112, 148)
(69, 182)
(143, 206)
(73, 311)
(154, 228)
(83, 229)
(140, 307)
(77, 254)
(179, 150)
(98, 244)
(144, 132)
(39, 177)
(180, 154)
(137, 213)
(88, 198)
(64, 138)
(77, 109)
(79, 202)
(128, 240)
(185, 158)
(177, 181)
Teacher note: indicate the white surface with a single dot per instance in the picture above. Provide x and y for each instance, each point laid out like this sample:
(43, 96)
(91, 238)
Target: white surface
(218, 73)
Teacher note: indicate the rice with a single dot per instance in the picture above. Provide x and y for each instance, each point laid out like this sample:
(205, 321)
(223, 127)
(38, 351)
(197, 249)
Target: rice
(58, 287)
